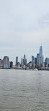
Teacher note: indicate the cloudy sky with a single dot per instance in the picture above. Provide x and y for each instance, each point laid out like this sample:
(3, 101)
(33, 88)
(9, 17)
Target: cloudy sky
(24, 25)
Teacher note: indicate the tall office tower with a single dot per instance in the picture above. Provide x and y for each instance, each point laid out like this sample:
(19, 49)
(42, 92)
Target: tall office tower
(6, 63)
(33, 62)
(41, 56)
(25, 60)
(16, 60)
(38, 60)
(1, 63)
(47, 62)
(22, 62)
(41, 52)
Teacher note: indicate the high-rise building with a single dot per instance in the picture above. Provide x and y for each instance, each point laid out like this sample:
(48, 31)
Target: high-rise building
(16, 60)
(1, 63)
(6, 63)
(33, 62)
(24, 61)
(41, 51)
(11, 64)
(38, 60)
(47, 62)
(41, 57)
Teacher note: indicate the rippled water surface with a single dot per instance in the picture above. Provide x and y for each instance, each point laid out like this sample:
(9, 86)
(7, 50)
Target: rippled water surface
(22, 90)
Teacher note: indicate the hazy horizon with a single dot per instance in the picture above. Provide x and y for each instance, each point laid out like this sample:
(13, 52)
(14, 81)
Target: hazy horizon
(23, 26)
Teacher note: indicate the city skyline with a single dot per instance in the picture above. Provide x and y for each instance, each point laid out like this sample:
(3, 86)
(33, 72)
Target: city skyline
(39, 54)
(13, 58)
(37, 62)
(23, 26)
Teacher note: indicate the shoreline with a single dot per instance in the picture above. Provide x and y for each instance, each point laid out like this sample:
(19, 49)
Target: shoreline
(25, 69)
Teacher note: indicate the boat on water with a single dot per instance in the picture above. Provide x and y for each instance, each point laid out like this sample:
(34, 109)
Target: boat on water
(35, 69)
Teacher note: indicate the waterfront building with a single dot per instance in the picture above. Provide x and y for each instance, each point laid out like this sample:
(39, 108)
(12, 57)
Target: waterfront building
(24, 61)
(29, 65)
(1, 63)
(11, 64)
(33, 62)
(38, 60)
(18, 65)
(16, 60)
(40, 51)
(6, 63)
(47, 62)
(41, 57)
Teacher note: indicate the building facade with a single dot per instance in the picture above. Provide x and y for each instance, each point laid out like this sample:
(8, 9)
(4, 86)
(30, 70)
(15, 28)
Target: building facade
(41, 57)
(16, 60)
(24, 61)
(47, 62)
(33, 62)
(6, 63)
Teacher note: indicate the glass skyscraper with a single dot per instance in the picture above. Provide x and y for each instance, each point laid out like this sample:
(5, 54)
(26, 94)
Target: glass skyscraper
(41, 56)
(41, 52)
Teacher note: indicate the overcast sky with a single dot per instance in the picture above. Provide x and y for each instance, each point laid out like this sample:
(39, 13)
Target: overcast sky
(24, 24)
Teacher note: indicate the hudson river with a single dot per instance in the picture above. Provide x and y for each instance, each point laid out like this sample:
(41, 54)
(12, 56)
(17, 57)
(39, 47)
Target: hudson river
(24, 90)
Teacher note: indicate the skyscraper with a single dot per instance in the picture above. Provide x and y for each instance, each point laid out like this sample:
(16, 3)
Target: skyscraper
(41, 52)
(16, 60)
(41, 57)
(24, 61)
(6, 63)
(38, 60)
(33, 62)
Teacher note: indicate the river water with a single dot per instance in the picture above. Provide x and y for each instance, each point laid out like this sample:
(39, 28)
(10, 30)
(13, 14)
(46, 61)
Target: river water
(24, 90)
